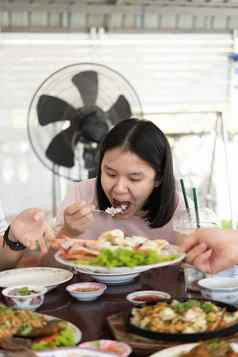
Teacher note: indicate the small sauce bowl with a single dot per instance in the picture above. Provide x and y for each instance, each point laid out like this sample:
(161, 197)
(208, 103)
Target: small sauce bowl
(147, 296)
(27, 297)
(222, 289)
(86, 291)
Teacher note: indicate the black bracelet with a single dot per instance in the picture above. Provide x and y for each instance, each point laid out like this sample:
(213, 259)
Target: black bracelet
(12, 245)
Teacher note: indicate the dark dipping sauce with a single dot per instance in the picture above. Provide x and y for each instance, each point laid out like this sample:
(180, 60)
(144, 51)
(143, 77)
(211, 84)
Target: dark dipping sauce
(148, 298)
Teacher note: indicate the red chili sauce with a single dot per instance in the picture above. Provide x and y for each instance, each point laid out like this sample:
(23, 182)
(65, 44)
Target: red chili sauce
(147, 298)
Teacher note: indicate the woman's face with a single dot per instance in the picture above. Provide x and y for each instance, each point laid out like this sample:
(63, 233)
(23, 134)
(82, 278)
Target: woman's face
(126, 180)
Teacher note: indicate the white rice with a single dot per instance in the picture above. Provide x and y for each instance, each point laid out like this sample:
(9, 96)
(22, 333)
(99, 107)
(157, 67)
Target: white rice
(114, 210)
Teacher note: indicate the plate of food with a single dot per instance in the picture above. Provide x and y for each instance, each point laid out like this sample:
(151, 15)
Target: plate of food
(121, 349)
(187, 320)
(42, 276)
(75, 352)
(213, 348)
(114, 253)
(36, 331)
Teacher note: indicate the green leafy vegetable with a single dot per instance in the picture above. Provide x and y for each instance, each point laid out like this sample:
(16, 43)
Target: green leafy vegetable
(122, 257)
(25, 291)
(65, 338)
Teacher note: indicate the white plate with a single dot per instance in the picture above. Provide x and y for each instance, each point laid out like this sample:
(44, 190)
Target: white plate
(177, 350)
(110, 279)
(120, 270)
(77, 331)
(43, 276)
(74, 352)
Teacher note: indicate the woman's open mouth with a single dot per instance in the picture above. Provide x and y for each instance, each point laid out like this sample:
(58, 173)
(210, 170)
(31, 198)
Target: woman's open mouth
(123, 205)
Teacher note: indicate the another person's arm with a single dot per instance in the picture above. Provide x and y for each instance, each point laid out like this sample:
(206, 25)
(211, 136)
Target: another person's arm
(212, 250)
(8, 257)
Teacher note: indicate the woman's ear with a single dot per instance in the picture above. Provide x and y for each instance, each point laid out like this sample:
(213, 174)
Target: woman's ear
(157, 183)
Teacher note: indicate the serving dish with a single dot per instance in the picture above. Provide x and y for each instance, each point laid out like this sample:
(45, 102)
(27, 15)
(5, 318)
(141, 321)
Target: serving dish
(39, 331)
(220, 288)
(92, 269)
(42, 276)
(184, 320)
(177, 350)
(28, 297)
(115, 258)
(121, 349)
(109, 278)
(74, 352)
(86, 291)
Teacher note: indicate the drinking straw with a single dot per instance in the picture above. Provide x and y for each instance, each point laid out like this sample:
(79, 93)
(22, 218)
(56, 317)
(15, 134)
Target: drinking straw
(185, 196)
(195, 201)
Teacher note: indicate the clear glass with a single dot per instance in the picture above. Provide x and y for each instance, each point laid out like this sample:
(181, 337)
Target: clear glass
(184, 225)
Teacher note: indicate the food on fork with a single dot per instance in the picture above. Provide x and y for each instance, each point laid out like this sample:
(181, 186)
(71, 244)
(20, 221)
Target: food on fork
(113, 211)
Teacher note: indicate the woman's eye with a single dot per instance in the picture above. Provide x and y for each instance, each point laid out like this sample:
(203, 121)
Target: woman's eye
(110, 174)
(135, 179)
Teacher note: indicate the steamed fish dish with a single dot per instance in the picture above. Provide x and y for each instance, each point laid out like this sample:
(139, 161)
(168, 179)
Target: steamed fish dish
(114, 249)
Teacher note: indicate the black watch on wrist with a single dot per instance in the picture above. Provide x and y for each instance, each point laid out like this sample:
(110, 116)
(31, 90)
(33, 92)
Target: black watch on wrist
(17, 246)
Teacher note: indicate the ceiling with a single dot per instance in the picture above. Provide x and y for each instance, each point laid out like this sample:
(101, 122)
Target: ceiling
(118, 15)
(114, 5)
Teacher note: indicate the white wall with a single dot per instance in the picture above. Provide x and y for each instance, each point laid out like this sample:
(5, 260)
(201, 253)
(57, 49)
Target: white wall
(170, 72)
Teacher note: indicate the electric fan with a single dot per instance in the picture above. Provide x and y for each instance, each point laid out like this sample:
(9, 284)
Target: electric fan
(71, 112)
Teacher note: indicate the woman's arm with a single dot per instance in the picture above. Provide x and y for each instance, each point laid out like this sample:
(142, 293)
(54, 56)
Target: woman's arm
(75, 214)
(8, 257)
(28, 230)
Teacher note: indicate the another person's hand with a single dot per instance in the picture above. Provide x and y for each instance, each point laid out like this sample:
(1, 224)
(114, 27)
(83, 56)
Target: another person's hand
(31, 229)
(212, 250)
(77, 218)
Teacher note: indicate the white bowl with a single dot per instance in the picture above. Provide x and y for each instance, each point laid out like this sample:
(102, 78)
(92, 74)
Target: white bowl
(18, 297)
(143, 296)
(86, 291)
(220, 288)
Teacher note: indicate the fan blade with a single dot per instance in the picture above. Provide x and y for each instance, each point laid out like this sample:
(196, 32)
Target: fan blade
(120, 110)
(87, 84)
(60, 150)
(52, 109)
(93, 129)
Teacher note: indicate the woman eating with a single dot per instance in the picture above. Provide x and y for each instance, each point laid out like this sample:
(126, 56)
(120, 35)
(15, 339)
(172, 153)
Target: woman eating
(135, 183)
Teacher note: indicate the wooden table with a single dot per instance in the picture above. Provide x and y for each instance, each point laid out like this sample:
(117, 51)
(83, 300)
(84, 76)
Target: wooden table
(91, 317)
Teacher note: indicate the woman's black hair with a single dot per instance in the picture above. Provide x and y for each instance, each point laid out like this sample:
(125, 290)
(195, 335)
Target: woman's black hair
(149, 143)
